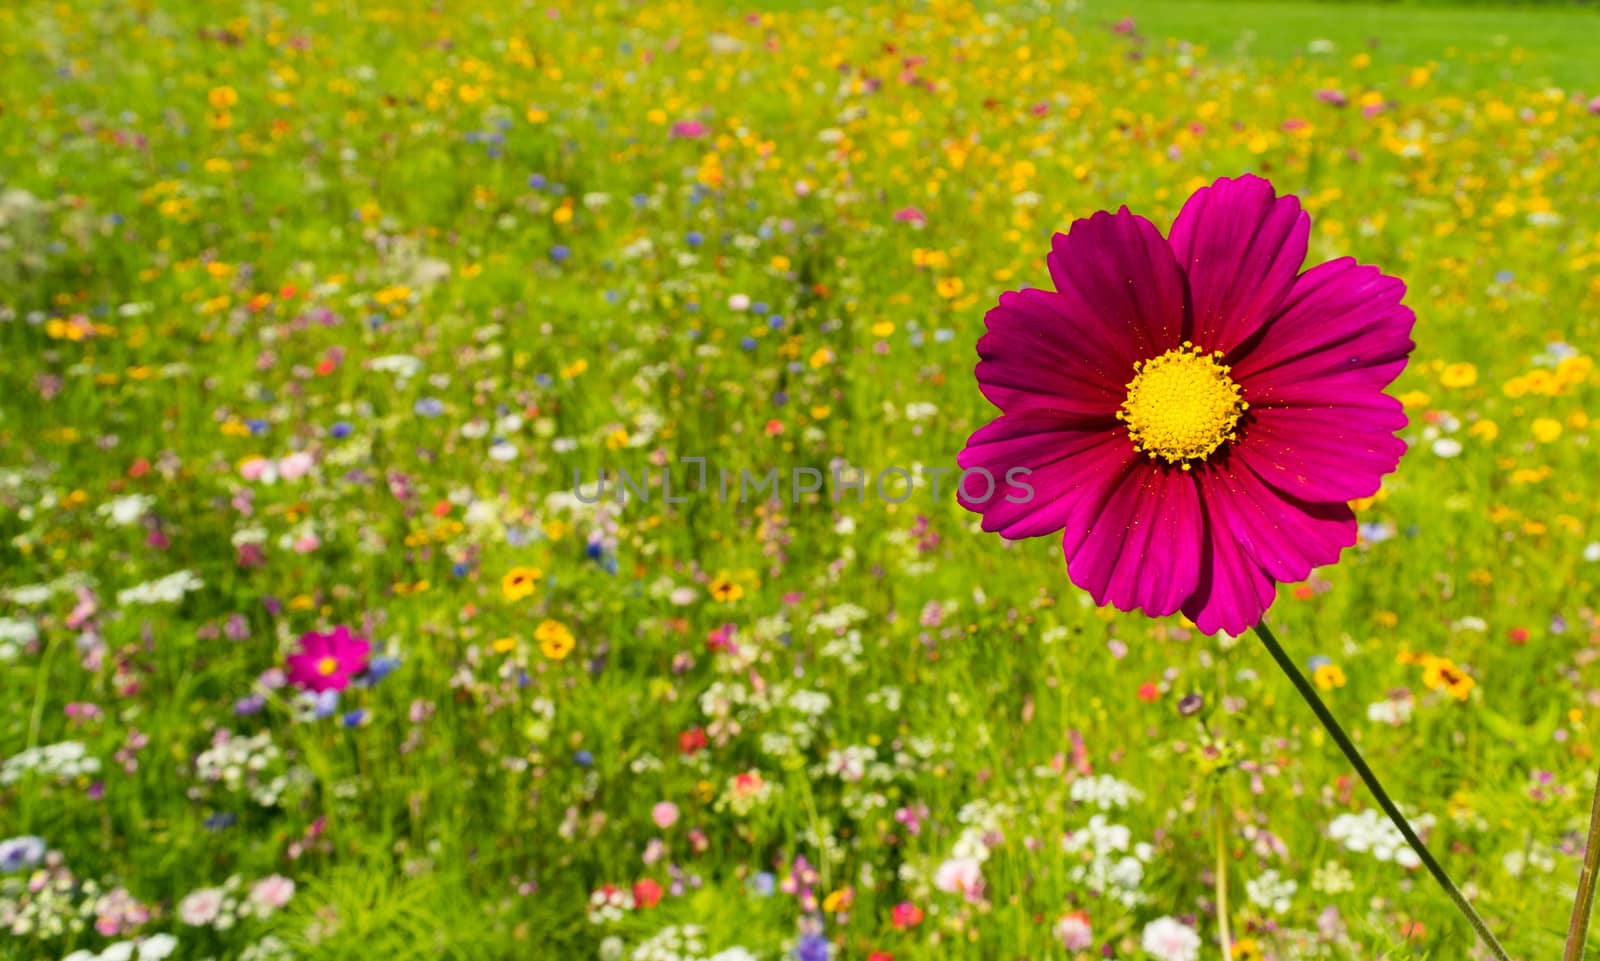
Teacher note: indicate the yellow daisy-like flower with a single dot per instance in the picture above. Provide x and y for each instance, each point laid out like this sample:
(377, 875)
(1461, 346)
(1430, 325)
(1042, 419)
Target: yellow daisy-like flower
(520, 582)
(726, 590)
(555, 641)
(1329, 676)
(503, 645)
(1458, 375)
(1441, 674)
(1546, 429)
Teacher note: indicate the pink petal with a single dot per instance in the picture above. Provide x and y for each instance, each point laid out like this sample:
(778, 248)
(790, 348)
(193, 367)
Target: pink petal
(302, 671)
(354, 655)
(1233, 591)
(1240, 246)
(1142, 548)
(1286, 536)
(1342, 329)
(1121, 281)
(1335, 453)
(1037, 357)
(1069, 459)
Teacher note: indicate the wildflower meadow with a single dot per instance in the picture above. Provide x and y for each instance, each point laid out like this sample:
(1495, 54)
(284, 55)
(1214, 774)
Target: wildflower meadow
(699, 481)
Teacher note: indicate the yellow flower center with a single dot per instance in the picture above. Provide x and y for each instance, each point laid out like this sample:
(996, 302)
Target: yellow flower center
(1182, 405)
(327, 667)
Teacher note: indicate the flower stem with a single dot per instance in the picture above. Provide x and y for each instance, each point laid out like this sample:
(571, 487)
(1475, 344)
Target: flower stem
(1222, 889)
(1578, 930)
(1331, 725)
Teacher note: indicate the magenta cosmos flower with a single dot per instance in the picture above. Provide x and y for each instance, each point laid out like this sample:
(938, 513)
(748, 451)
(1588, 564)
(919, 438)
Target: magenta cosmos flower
(327, 662)
(1195, 410)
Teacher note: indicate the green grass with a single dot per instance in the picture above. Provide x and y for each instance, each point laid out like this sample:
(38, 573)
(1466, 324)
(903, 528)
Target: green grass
(1474, 46)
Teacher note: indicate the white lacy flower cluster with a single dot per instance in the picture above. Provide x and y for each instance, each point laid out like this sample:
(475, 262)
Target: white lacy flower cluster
(154, 948)
(729, 705)
(541, 720)
(14, 636)
(166, 590)
(253, 766)
(855, 763)
(1537, 857)
(610, 904)
(269, 948)
(685, 942)
(984, 820)
(1370, 831)
(837, 619)
(52, 902)
(65, 761)
(37, 595)
(1110, 862)
(1104, 792)
(126, 510)
(810, 703)
(1393, 711)
(1269, 891)
(847, 651)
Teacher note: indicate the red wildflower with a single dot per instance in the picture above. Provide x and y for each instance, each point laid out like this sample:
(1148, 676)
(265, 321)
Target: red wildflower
(646, 893)
(905, 915)
(692, 740)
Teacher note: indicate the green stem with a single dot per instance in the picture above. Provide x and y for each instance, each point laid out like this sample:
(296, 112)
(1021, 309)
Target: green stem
(1331, 725)
(1222, 890)
(1578, 930)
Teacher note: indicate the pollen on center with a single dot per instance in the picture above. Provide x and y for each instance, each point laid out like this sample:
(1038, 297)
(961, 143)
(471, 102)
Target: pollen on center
(1182, 405)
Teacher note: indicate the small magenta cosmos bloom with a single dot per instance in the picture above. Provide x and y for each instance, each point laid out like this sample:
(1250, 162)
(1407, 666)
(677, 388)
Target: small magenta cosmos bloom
(1195, 411)
(327, 662)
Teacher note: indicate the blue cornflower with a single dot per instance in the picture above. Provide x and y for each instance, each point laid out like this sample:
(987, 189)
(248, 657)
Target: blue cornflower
(21, 853)
(813, 947)
(325, 704)
(379, 668)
